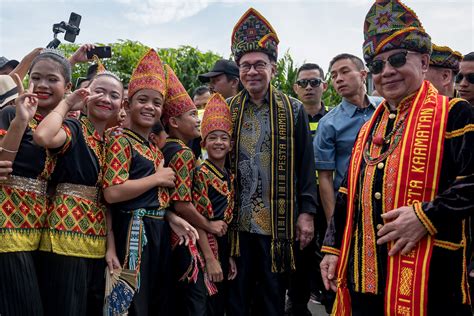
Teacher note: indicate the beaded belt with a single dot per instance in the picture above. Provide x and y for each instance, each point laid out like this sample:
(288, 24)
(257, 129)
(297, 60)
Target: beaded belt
(81, 191)
(26, 184)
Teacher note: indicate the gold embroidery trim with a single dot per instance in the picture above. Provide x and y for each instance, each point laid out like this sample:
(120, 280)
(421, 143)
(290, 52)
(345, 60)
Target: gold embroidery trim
(424, 219)
(330, 250)
(26, 184)
(77, 190)
(448, 244)
(460, 132)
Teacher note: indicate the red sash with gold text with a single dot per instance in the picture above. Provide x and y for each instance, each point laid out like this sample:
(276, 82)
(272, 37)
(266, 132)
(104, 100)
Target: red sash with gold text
(418, 174)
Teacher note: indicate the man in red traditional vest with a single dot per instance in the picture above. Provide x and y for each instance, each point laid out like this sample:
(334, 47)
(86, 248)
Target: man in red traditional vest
(398, 241)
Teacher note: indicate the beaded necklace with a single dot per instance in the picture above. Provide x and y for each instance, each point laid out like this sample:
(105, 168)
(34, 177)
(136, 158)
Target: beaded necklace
(378, 140)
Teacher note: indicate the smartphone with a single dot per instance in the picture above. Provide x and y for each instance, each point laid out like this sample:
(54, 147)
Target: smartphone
(71, 33)
(100, 51)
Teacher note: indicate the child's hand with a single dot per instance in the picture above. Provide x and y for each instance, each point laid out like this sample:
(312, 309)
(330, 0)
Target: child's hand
(112, 259)
(116, 131)
(214, 270)
(232, 269)
(165, 176)
(26, 104)
(19, 83)
(77, 100)
(185, 231)
(218, 228)
(5, 169)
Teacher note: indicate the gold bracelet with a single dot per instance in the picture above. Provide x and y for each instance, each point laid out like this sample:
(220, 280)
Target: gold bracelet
(8, 150)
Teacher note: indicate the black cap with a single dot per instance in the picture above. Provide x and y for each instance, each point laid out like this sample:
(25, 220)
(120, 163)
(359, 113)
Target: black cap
(222, 66)
(5, 62)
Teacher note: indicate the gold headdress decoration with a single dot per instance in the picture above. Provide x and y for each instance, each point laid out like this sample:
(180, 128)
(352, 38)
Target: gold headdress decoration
(177, 100)
(149, 74)
(216, 116)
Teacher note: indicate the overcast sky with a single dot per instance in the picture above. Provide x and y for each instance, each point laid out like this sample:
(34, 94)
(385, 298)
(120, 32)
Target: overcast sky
(313, 30)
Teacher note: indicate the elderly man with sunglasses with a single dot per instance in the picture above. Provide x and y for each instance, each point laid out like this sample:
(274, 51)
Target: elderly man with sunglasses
(465, 78)
(399, 239)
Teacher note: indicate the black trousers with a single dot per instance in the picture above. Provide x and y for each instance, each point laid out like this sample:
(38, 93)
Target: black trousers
(19, 290)
(71, 286)
(256, 290)
(307, 277)
(153, 297)
(302, 280)
(217, 303)
(190, 297)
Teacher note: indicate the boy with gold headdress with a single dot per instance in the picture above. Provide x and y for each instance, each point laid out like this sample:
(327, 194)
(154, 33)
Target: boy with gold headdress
(213, 194)
(399, 238)
(181, 121)
(136, 186)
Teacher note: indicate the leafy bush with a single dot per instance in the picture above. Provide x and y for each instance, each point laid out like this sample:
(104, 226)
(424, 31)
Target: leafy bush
(188, 62)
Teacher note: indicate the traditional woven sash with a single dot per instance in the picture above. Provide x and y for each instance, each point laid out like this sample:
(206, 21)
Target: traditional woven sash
(418, 174)
(137, 240)
(282, 195)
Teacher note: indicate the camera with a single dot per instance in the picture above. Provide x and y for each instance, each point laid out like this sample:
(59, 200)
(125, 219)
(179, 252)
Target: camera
(71, 29)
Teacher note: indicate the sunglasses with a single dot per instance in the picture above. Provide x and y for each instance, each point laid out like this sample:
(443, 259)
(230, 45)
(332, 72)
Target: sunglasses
(469, 77)
(396, 60)
(303, 83)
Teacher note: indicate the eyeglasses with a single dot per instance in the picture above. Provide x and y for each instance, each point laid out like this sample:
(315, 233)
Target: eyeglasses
(303, 83)
(469, 77)
(396, 60)
(258, 66)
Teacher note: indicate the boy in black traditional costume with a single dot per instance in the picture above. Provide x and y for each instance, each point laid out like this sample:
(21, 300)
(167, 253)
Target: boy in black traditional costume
(135, 183)
(213, 195)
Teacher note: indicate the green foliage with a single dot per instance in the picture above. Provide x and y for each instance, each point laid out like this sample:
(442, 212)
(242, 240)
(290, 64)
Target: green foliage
(286, 74)
(188, 62)
(330, 97)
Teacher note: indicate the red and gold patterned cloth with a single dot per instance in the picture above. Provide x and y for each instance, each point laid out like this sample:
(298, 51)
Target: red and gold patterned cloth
(208, 176)
(413, 176)
(76, 221)
(390, 24)
(182, 162)
(253, 33)
(23, 200)
(123, 152)
(177, 100)
(216, 116)
(148, 74)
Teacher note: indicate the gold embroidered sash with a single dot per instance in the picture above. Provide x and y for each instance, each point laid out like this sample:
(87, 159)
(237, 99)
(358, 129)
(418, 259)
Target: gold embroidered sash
(418, 173)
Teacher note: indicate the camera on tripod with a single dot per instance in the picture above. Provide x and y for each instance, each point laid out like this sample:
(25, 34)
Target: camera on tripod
(71, 29)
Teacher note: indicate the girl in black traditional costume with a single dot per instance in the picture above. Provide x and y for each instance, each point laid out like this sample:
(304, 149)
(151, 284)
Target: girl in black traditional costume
(73, 244)
(23, 199)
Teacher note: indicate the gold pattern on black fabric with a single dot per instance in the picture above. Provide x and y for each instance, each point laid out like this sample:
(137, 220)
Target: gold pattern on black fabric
(282, 173)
